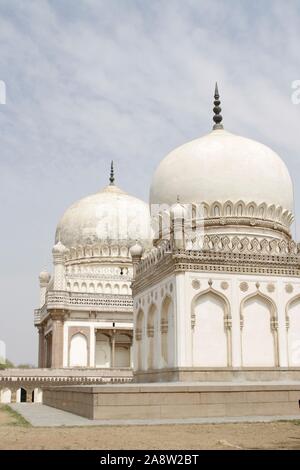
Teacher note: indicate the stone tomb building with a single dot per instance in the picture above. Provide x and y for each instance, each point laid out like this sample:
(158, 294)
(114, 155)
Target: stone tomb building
(217, 299)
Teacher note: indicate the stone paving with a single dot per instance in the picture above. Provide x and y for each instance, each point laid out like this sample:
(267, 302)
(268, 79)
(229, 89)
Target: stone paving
(45, 416)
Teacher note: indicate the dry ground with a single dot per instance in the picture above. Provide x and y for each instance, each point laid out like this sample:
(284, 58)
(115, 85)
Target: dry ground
(16, 434)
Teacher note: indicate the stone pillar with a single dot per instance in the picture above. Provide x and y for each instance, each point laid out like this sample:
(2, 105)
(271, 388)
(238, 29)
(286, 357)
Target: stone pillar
(44, 279)
(113, 347)
(41, 347)
(92, 358)
(13, 398)
(28, 396)
(57, 341)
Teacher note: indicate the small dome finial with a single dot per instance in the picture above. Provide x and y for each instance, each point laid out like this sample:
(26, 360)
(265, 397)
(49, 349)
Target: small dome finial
(112, 175)
(217, 110)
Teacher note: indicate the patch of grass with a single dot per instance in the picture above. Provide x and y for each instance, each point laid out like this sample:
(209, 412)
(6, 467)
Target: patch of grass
(292, 421)
(19, 420)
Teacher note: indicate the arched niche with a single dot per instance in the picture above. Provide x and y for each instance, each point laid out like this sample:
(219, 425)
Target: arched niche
(293, 331)
(122, 350)
(258, 318)
(211, 330)
(167, 332)
(139, 339)
(102, 350)
(78, 351)
(152, 336)
(5, 395)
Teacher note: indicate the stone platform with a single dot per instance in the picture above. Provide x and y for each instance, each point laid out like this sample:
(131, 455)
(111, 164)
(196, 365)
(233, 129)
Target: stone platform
(177, 400)
(218, 374)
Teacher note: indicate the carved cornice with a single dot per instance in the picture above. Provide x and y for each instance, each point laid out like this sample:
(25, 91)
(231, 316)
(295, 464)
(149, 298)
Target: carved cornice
(222, 255)
(240, 209)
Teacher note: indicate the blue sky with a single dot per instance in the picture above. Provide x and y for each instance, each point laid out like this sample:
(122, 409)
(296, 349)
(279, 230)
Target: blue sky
(93, 80)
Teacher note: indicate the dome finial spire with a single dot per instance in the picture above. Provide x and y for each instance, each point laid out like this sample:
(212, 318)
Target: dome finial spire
(217, 110)
(112, 175)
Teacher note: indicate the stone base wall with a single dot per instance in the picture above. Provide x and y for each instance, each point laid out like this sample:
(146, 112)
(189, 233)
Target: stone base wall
(193, 374)
(176, 401)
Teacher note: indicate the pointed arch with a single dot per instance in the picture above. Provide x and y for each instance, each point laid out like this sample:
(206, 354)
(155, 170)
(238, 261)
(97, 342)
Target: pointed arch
(78, 350)
(152, 336)
(139, 339)
(239, 208)
(216, 209)
(251, 209)
(211, 329)
(167, 332)
(228, 209)
(292, 318)
(259, 337)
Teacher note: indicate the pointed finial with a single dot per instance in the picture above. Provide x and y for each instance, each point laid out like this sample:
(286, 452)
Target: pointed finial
(217, 110)
(112, 176)
(178, 198)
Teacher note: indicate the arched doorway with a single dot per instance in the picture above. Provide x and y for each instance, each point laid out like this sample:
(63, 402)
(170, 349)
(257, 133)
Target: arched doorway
(122, 350)
(210, 338)
(103, 350)
(23, 395)
(259, 340)
(78, 351)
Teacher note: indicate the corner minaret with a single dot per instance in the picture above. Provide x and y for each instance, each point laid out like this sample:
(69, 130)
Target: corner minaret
(217, 110)
(112, 175)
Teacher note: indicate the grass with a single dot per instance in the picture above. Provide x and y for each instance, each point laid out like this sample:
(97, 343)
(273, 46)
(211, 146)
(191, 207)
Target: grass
(18, 419)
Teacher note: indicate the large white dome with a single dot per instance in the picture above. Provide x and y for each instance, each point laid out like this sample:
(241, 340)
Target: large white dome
(110, 216)
(222, 166)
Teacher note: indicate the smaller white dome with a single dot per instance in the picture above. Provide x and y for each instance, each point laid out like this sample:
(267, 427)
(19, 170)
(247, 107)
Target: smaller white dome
(136, 250)
(59, 248)
(44, 277)
(110, 216)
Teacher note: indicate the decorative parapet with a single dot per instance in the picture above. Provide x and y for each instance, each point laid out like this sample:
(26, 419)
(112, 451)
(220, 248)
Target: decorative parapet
(37, 316)
(221, 254)
(223, 245)
(99, 251)
(63, 300)
(17, 377)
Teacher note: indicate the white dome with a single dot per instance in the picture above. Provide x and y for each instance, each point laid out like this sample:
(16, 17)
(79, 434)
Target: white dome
(221, 167)
(110, 216)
